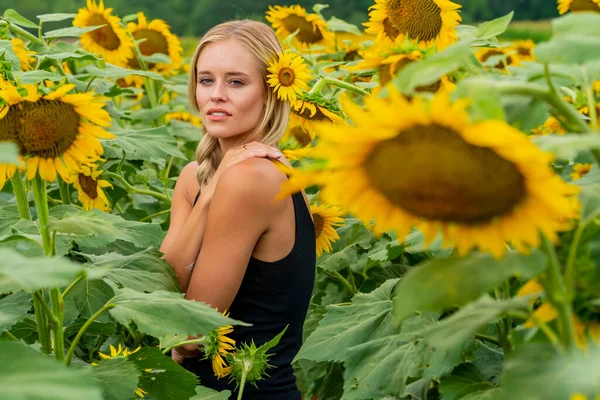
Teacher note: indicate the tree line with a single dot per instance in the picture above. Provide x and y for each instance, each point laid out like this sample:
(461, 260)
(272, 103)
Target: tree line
(193, 17)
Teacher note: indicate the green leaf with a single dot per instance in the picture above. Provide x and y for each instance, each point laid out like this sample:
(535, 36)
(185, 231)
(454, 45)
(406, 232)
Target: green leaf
(97, 228)
(9, 153)
(90, 296)
(26, 374)
(430, 70)
(55, 17)
(443, 283)
(144, 271)
(162, 313)
(25, 330)
(166, 379)
(585, 24)
(537, 372)
(157, 58)
(184, 130)
(143, 144)
(367, 318)
(463, 324)
(95, 329)
(150, 114)
(493, 28)
(204, 393)
(381, 367)
(566, 147)
(485, 100)
(71, 31)
(14, 17)
(569, 49)
(14, 308)
(339, 25)
(338, 260)
(590, 204)
(33, 273)
(118, 378)
(114, 72)
(466, 379)
(37, 76)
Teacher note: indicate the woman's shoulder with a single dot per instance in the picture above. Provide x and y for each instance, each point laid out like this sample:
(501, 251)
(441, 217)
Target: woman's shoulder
(188, 181)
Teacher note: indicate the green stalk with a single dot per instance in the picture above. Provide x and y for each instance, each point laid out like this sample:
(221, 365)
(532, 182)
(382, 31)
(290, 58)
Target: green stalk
(158, 214)
(42, 322)
(17, 30)
(490, 339)
(59, 314)
(558, 296)
(19, 189)
(337, 276)
(168, 169)
(243, 381)
(41, 204)
(63, 187)
(201, 340)
(345, 85)
(570, 270)
(71, 286)
(10, 336)
(132, 189)
(317, 86)
(85, 326)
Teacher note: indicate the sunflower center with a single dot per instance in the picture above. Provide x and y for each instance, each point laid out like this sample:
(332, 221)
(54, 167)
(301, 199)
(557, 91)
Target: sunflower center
(385, 70)
(390, 29)
(286, 76)
(105, 36)
(500, 64)
(584, 5)
(318, 115)
(155, 43)
(46, 128)
(307, 32)
(431, 172)
(319, 222)
(301, 136)
(419, 19)
(88, 185)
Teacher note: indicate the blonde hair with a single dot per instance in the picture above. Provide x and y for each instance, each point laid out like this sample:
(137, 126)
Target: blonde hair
(261, 42)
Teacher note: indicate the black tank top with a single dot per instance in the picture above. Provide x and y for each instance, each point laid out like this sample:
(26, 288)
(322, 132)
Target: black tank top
(272, 295)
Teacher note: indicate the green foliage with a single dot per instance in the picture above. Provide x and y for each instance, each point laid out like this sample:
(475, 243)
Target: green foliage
(14, 308)
(118, 378)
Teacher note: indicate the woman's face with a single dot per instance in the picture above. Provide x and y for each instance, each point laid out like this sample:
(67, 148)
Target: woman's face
(230, 90)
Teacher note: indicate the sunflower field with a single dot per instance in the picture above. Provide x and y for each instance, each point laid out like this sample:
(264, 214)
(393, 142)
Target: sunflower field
(453, 177)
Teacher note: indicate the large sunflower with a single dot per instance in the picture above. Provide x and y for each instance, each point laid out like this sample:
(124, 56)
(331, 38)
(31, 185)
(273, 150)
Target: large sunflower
(89, 187)
(326, 219)
(216, 348)
(500, 56)
(111, 41)
(25, 60)
(288, 76)
(427, 21)
(312, 29)
(53, 130)
(481, 184)
(307, 110)
(158, 39)
(578, 5)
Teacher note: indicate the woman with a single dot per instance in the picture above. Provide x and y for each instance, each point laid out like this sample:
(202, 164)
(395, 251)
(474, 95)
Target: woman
(229, 243)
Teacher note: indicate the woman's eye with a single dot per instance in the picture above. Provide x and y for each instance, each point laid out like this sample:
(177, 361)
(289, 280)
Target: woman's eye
(237, 82)
(204, 81)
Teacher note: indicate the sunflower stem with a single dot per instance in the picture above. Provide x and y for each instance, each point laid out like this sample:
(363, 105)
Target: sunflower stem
(19, 189)
(559, 297)
(132, 189)
(57, 328)
(42, 322)
(41, 204)
(168, 169)
(17, 30)
(158, 214)
(345, 85)
(71, 286)
(589, 92)
(10, 336)
(570, 270)
(546, 330)
(489, 339)
(85, 326)
(337, 276)
(546, 95)
(201, 340)
(549, 79)
(317, 86)
(63, 188)
(243, 381)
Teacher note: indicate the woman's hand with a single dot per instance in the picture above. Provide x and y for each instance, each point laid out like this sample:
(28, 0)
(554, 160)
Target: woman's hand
(178, 354)
(238, 154)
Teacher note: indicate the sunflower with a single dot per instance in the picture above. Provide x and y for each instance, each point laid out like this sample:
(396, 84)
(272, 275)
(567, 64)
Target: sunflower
(25, 60)
(426, 21)
(158, 39)
(578, 5)
(217, 346)
(89, 187)
(481, 184)
(502, 56)
(183, 116)
(326, 219)
(288, 76)
(111, 41)
(306, 111)
(312, 29)
(579, 170)
(296, 154)
(55, 129)
(523, 51)
(122, 352)
(596, 86)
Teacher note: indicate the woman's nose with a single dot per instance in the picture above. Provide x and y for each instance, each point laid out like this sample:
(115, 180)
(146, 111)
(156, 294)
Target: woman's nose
(218, 93)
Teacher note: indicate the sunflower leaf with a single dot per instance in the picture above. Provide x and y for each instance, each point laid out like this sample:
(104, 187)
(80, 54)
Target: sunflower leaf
(367, 318)
(569, 49)
(90, 296)
(577, 24)
(339, 25)
(118, 378)
(72, 31)
(163, 313)
(26, 374)
(537, 372)
(37, 76)
(14, 17)
(567, 147)
(115, 72)
(493, 28)
(204, 393)
(32, 273)
(590, 204)
(55, 17)
(438, 284)
(380, 367)
(465, 380)
(14, 308)
(143, 144)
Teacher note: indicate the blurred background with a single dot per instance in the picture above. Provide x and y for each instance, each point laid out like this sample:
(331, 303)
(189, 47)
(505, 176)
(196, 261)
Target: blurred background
(191, 18)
